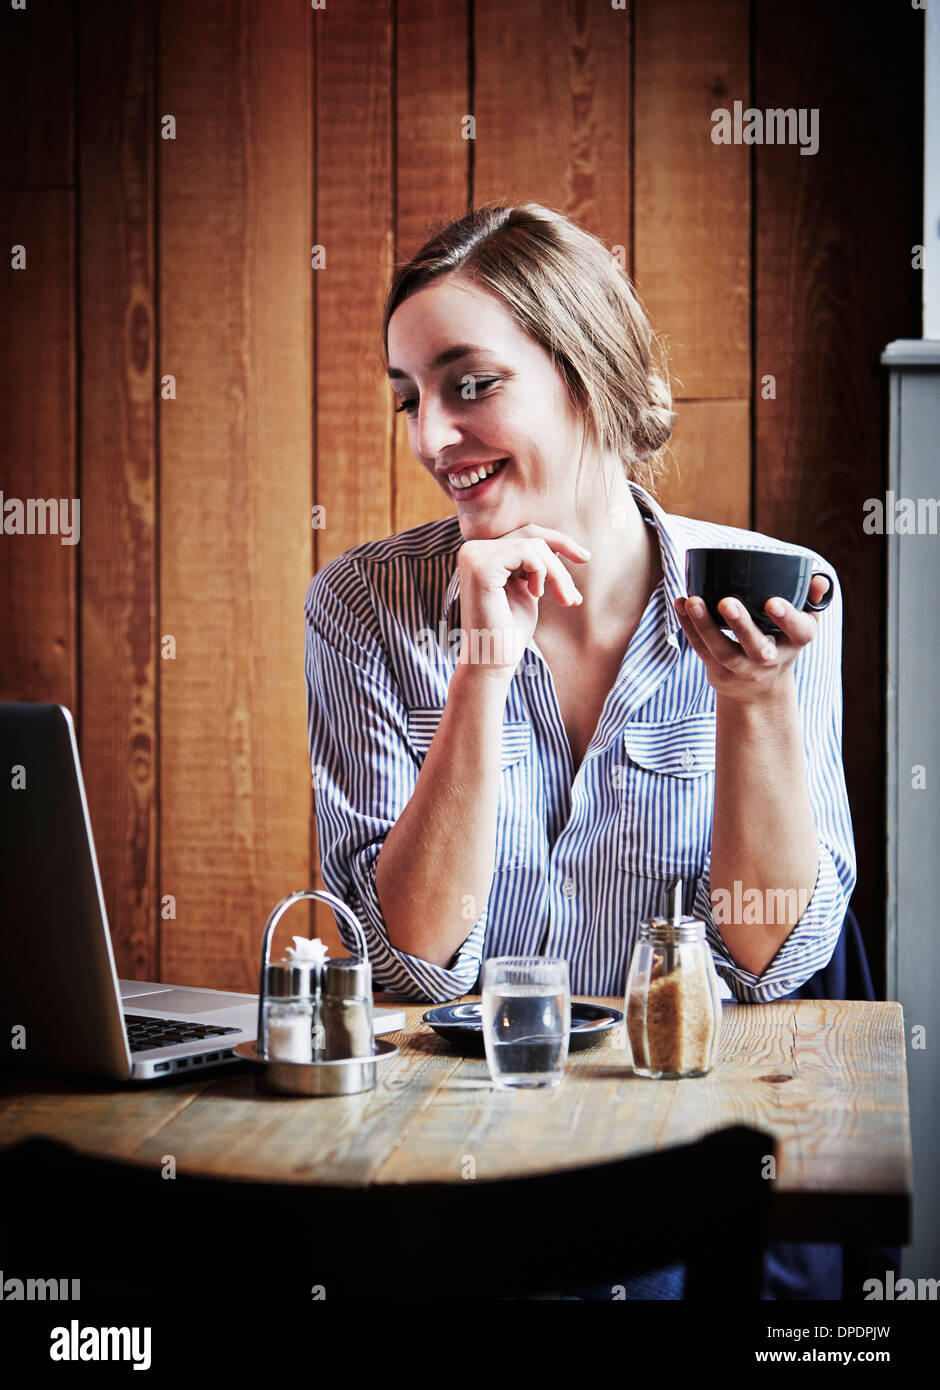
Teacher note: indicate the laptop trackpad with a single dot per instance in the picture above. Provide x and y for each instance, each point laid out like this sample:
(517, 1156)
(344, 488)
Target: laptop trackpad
(182, 1001)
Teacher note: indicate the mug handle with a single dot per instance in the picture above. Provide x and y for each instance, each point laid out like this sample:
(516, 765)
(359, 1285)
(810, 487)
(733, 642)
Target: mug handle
(826, 599)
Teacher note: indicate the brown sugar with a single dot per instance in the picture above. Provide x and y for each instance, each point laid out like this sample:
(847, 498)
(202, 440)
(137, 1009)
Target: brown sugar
(680, 1024)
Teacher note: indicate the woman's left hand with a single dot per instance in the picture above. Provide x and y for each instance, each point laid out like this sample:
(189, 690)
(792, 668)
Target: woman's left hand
(757, 666)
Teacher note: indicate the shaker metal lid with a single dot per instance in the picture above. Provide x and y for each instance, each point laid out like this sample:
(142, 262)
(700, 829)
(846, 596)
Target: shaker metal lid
(665, 929)
(289, 979)
(347, 977)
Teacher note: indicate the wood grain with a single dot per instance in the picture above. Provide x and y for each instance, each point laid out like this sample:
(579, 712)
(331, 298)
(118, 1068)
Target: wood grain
(354, 224)
(432, 172)
(431, 99)
(235, 521)
(37, 95)
(826, 1079)
(118, 737)
(38, 573)
(709, 462)
(692, 197)
(551, 98)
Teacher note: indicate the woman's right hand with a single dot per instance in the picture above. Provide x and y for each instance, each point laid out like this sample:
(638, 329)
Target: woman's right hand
(501, 582)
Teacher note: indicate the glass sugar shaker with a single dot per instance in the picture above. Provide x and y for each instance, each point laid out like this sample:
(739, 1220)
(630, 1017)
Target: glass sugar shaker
(288, 1014)
(673, 1005)
(345, 1011)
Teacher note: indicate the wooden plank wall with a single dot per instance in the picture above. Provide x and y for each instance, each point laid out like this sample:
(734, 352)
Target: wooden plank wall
(118, 409)
(171, 357)
(235, 332)
(833, 286)
(38, 414)
(693, 243)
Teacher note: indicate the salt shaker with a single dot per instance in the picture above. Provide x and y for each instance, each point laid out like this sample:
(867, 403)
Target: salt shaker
(287, 1020)
(345, 1011)
(673, 1005)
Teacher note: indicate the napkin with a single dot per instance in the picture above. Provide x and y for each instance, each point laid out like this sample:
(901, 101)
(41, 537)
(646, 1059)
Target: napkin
(307, 948)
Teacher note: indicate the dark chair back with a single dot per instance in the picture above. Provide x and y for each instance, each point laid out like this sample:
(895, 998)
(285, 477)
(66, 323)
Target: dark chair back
(127, 1232)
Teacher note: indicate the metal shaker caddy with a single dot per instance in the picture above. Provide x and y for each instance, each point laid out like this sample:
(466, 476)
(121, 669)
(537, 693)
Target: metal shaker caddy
(332, 1074)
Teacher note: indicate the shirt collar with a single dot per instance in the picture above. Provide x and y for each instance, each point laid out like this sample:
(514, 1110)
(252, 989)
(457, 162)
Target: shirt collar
(672, 549)
(672, 546)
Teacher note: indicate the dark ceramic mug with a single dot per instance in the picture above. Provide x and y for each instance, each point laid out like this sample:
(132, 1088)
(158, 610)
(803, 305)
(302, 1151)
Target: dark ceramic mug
(753, 577)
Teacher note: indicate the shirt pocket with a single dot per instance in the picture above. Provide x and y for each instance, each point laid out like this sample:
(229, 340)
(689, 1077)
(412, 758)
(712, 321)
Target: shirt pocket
(513, 829)
(667, 796)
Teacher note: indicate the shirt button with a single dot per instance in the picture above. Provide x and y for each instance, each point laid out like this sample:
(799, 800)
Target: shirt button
(568, 887)
(687, 757)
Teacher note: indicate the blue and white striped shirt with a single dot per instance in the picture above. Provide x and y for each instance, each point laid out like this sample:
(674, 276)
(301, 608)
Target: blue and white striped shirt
(580, 861)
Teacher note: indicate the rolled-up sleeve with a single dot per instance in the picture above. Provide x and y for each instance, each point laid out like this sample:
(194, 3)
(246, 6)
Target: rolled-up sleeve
(809, 946)
(364, 772)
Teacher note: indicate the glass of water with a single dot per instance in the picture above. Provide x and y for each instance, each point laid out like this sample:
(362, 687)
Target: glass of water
(526, 1013)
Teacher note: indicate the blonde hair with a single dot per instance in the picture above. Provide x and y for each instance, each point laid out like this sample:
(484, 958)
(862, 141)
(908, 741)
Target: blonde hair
(568, 292)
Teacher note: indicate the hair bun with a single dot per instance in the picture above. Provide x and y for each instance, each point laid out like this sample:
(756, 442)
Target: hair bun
(656, 421)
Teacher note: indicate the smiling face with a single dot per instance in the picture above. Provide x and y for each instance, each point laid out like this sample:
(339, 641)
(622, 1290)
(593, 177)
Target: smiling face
(477, 390)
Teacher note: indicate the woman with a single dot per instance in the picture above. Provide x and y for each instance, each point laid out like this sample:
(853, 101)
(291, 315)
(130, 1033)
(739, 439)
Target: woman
(521, 728)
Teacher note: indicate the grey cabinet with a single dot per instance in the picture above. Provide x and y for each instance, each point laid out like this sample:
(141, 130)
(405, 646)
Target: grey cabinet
(913, 761)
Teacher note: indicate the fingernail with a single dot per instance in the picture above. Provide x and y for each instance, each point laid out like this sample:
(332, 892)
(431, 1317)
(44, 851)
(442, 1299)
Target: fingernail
(584, 550)
(694, 607)
(776, 607)
(731, 609)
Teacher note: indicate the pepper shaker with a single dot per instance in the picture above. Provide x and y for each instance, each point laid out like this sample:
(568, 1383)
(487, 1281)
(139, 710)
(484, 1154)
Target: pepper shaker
(345, 1012)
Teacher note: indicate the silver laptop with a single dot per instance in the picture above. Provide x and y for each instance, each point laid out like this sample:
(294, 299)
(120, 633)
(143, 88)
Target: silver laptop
(62, 1007)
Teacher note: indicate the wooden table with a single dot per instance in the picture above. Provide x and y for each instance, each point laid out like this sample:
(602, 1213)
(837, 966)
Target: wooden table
(827, 1079)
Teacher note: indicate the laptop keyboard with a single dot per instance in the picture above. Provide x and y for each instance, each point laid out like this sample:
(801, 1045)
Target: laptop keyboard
(144, 1032)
